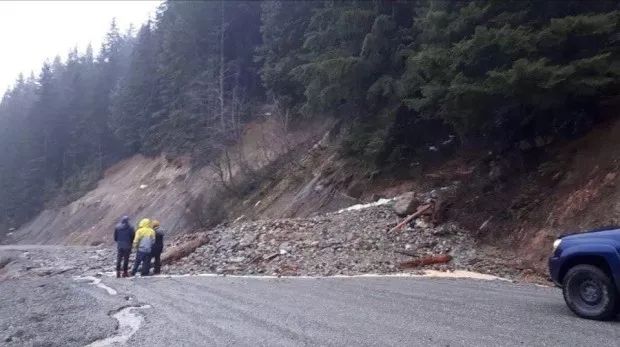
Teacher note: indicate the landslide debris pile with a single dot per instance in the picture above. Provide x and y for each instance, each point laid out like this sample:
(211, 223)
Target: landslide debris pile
(348, 242)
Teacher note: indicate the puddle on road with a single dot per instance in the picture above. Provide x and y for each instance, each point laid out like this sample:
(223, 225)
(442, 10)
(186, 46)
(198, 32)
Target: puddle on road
(128, 320)
(128, 324)
(97, 282)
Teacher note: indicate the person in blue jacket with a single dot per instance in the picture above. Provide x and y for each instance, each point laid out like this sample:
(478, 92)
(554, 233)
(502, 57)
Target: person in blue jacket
(123, 236)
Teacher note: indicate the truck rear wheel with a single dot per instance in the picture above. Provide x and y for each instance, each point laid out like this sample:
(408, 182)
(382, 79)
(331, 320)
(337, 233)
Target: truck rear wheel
(590, 293)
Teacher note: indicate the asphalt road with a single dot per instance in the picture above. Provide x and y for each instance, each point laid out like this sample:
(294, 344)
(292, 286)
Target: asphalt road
(39, 309)
(388, 311)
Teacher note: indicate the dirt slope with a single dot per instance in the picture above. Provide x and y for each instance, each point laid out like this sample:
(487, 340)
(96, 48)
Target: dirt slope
(519, 202)
(579, 191)
(136, 187)
(165, 189)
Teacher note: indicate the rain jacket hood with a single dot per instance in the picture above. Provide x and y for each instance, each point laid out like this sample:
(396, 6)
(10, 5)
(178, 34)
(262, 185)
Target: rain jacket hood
(145, 236)
(124, 235)
(144, 223)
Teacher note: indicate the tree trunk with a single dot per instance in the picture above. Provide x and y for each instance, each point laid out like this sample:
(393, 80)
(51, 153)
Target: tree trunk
(222, 70)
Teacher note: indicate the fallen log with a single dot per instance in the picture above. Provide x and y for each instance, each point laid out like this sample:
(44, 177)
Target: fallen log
(331, 244)
(180, 251)
(433, 259)
(407, 253)
(270, 256)
(420, 211)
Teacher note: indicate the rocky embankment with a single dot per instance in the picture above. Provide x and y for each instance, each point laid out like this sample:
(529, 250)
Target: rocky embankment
(358, 240)
(353, 241)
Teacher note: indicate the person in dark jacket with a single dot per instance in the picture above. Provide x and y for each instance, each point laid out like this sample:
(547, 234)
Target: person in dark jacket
(158, 247)
(123, 235)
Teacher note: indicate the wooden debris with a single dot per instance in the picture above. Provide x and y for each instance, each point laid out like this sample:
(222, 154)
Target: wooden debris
(407, 253)
(270, 256)
(433, 259)
(420, 211)
(180, 251)
(485, 224)
(331, 244)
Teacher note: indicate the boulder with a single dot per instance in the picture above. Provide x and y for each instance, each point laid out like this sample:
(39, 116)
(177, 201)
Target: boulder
(405, 204)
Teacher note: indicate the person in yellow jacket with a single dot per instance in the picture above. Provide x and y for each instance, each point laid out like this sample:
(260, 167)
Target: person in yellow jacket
(143, 241)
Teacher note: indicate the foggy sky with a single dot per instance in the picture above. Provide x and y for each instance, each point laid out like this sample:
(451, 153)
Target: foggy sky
(32, 31)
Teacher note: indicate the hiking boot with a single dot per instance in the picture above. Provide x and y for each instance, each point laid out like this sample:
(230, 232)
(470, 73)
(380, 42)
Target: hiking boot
(125, 274)
(118, 274)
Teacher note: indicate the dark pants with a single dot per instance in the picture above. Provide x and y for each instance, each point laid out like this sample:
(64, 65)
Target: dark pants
(122, 255)
(156, 262)
(145, 260)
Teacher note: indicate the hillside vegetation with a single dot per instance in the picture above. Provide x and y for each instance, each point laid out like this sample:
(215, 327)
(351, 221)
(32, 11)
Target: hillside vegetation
(407, 83)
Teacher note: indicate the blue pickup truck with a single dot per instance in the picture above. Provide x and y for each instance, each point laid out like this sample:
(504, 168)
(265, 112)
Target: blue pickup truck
(587, 268)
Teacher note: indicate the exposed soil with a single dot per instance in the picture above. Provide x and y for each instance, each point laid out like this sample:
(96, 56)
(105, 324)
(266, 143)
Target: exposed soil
(163, 188)
(525, 200)
(508, 207)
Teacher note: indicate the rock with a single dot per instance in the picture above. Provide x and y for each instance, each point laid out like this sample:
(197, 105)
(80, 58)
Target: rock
(405, 204)
(237, 259)
(5, 260)
(43, 271)
(286, 247)
(609, 179)
(247, 241)
(420, 223)
(445, 229)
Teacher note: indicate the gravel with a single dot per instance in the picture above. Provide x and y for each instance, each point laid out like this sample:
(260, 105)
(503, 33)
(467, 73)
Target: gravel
(43, 261)
(33, 310)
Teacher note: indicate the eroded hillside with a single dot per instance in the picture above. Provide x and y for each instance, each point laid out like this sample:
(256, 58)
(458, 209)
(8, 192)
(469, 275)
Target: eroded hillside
(170, 189)
(506, 206)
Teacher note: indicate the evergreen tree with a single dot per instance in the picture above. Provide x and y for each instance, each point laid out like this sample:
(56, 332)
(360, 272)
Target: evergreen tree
(135, 98)
(399, 74)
